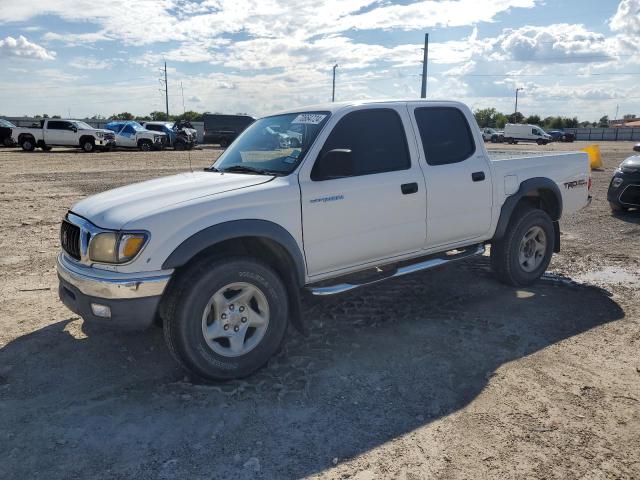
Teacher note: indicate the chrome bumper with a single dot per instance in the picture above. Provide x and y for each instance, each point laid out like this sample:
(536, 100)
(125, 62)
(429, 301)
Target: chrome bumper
(112, 285)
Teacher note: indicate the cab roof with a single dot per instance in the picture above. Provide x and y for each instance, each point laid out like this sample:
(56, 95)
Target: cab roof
(333, 107)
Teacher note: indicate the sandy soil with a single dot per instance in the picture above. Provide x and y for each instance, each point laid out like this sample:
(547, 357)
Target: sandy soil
(446, 374)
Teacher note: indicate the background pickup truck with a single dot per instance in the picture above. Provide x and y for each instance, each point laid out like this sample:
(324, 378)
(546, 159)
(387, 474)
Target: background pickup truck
(371, 191)
(63, 133)
(130, 134)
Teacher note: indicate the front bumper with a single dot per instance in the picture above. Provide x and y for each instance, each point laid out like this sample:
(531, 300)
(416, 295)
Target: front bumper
(132, 299)
(105, 142)
(627, 193)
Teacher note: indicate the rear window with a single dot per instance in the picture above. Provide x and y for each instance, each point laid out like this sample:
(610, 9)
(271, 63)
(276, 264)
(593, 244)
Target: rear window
(445, 134)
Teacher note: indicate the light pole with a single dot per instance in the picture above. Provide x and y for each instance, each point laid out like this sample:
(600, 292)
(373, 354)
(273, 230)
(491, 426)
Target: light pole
(333, 92)
(515, 113)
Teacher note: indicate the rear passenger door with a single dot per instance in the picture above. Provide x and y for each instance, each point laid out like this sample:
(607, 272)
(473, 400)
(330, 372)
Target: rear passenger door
(374, 207)
(457, 173)
(60, 132)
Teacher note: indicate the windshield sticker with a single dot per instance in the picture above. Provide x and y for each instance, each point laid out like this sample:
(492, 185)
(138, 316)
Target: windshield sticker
(308, 118)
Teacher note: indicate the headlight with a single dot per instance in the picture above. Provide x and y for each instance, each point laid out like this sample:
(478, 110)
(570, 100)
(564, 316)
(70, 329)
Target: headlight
(616, 182)
(113, 247)
(99, 134)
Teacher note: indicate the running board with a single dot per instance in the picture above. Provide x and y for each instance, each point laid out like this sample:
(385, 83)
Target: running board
(399, 272)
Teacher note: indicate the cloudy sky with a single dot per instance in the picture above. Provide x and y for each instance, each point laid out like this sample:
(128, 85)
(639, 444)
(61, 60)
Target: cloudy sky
(86, 57)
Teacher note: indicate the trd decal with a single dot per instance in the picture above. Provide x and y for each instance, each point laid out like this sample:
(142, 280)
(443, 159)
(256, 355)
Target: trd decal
(575, 184)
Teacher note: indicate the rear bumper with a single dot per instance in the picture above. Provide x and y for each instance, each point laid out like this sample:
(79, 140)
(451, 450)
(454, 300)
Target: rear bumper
(132, 301)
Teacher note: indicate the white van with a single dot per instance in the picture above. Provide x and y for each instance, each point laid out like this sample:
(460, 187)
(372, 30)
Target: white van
(515, 132)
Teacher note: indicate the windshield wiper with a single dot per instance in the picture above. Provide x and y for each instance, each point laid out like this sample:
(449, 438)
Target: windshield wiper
(248, 169)
(211, 169)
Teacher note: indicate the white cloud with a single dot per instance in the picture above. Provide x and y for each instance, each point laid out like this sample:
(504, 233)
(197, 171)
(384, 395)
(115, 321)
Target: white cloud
(22, 48)
(91, 63)
(627, 18)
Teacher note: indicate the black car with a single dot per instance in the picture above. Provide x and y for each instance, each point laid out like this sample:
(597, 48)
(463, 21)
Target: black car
(560, 136)
(637, 147)
(624, 189)
(6, 128)
(223, 129)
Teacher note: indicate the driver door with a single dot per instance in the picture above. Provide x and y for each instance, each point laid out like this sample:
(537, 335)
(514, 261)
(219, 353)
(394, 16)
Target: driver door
(375, 208)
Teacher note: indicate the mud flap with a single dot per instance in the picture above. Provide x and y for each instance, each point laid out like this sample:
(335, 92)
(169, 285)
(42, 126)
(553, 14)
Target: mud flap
(556, 237)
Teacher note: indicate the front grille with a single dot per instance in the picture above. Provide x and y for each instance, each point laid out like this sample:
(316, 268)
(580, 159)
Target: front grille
(70, 239)
(109, 136)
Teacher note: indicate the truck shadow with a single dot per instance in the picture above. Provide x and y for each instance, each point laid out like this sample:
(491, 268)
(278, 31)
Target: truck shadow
(378, 364)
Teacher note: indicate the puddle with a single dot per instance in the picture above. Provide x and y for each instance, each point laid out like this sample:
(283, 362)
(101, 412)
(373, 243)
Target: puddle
(612, 276)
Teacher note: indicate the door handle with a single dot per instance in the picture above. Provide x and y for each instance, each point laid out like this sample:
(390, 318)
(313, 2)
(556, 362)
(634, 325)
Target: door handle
(409, 188)
(477, 176)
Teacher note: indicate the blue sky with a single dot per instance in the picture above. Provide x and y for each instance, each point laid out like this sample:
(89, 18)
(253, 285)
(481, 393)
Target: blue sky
(82, 57)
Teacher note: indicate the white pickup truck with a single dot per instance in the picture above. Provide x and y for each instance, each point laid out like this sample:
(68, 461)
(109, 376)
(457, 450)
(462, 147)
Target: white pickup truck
(373, 190)
(63, 133)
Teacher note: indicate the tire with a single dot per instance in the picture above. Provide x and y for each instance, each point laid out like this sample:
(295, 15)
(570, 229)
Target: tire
(510, 141)
(513, 260)
(46, 148)
(179, 146)
(617, 208)
(27, 144)
(145, 145)
(224, 143)
(190, 309)
(540, 142)
(7, 142)
(88, 145)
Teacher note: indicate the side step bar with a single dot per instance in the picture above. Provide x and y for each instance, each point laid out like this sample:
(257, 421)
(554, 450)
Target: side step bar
(399, 272)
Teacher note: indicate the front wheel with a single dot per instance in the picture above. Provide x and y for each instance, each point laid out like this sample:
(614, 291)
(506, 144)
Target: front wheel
(28, 145)
(88, 145)
(224, 143)
(145, 146)
(179, 146)
(523, 254)
(224, 319)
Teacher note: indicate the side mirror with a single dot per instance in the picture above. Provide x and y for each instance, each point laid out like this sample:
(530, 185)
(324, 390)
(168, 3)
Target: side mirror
(336, 163)
(74, 128)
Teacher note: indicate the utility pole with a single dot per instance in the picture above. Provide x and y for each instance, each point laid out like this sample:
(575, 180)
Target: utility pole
(515, 113)
(182, 89)
(423, 93)
(333, 91)
(166, 90)
(166, 87)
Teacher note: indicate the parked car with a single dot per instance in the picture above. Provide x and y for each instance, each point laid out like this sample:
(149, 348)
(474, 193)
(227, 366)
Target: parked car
(492, 135)
(380, 189)
(624, 189)
(223, 129)
(130, 134)
(66, 133)
(561, 136)
(636, 147)
(180, 136)
(6, 127)
(515, 132)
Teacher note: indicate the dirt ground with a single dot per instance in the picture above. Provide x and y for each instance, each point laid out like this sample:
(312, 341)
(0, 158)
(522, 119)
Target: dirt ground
(446, 374)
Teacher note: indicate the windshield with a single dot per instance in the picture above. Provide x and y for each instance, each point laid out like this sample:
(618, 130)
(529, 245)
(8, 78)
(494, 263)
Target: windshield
(136, 126)
(273, 144)
(6, 123)
(82, 125)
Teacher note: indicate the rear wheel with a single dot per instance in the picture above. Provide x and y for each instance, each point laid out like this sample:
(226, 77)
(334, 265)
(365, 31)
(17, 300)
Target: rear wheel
(224, 143)
(46, 148)
(7, 142)
(522, 255)
(27, 144)
(224, 319)
(540, 142)
(179, 145)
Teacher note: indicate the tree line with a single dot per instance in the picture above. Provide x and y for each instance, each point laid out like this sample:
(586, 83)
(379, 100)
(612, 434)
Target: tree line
(156, 116)
(490, 117)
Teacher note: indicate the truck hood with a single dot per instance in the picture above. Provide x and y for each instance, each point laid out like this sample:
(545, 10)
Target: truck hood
(114, 208)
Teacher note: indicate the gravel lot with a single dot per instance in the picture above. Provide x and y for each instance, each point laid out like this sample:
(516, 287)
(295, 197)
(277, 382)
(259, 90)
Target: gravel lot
(446, 374)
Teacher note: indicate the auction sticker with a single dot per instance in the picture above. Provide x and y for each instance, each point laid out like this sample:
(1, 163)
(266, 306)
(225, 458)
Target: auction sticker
(309, 118)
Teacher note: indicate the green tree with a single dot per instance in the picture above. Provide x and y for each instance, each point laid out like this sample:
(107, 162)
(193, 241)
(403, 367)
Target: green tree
(604, 122)
(190, 116)
(533, 120)
(486, 117)
(158, 116)
(501, 120)
(571, 122)
(121, 116)
(516, 117)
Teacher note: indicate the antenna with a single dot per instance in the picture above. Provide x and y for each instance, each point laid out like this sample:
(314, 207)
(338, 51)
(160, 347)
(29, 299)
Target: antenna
(166, 87)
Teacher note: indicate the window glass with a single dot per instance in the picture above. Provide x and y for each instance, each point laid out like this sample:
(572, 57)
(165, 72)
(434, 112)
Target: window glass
(128, 129)
(57, 125)
(155, 128)
(445, 134)
(376, 139)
